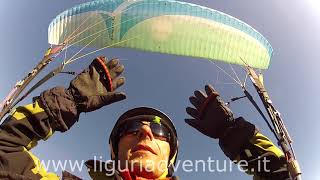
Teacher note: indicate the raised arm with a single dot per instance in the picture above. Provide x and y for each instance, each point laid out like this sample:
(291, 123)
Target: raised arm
(56, 109)
(240, 140)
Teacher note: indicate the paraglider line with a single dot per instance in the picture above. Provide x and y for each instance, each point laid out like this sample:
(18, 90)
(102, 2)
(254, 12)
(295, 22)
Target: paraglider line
(83, 48)
(54, 55)
(87, 43)
(78, 34)
(246, 64)
(245, 80)
(106, 20)
(217, 79)
(72, 60)
(253, 102)
(226, 73)
(105, 29)
(39, 83)
(65, 54)
(82, 23)
(235, 74)
(227, 83)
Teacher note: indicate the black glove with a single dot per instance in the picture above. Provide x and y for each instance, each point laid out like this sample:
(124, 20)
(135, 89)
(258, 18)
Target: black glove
(88, 91)
(214, 119)
(94, 87)
(210, 116)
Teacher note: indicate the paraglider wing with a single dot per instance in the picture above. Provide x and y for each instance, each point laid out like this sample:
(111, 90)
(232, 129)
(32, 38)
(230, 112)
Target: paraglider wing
(163, 26)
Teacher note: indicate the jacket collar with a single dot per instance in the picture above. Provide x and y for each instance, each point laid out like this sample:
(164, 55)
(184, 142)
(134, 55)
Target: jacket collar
(97, 171)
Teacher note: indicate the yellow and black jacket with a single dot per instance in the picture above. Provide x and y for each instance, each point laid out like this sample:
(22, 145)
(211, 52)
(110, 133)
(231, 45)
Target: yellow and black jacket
(28, 124)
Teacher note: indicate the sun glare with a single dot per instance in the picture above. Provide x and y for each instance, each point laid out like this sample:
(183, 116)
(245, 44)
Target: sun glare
(315, 6)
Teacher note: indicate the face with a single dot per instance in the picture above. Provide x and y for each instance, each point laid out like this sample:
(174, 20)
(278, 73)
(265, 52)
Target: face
(147, 155)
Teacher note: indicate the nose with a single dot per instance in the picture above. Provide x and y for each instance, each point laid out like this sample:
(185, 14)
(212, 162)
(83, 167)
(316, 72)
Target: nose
(145, 132)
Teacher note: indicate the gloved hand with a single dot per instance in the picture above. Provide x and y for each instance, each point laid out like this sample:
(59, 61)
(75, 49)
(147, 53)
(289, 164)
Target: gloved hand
(210, 116)
(94, 87)
(90, 90)
(214, 119)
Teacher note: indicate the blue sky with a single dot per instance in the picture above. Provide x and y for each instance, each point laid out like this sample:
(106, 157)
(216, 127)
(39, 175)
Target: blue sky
(166, 81)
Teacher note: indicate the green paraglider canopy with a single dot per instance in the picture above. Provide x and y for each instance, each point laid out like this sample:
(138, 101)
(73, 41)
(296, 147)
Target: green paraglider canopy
(163, 26)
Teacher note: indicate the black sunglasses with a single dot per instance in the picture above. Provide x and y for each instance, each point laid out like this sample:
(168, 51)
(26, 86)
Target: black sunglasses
(159, 131)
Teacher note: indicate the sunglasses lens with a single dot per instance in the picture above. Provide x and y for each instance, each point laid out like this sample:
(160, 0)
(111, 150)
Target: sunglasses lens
(159, 131)
(129, 128)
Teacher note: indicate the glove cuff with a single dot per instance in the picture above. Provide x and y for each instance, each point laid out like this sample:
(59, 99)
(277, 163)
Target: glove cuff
(237, 137)
(100, 64)
(61, 108)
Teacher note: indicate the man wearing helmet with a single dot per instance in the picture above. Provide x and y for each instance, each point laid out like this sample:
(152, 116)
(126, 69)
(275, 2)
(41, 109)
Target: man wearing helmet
(143, 142)
(144, 136)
